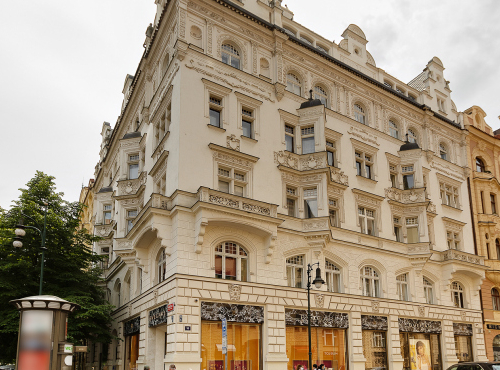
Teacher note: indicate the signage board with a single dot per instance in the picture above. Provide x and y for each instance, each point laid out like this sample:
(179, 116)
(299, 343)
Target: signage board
(224, 336)
(80, 348)
(68, 348)
(170, 307)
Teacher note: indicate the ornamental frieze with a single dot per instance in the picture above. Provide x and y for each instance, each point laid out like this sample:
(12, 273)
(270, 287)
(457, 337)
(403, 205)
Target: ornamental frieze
(158, 316)
(462, 329)
(419, 326)
(232, 312)
(132, 327)
(371, 322)
(322, 319)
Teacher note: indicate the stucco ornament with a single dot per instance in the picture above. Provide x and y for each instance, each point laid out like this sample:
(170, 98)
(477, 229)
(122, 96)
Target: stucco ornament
(234, 292)
(128, 188)
(375, 306)
(320, 300)
(286, 159)
(233, 143)
(463, 315)
(421, 311)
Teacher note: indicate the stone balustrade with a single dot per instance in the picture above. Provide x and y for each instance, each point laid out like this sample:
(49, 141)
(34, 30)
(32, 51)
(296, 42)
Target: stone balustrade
(455, 255)
(130, 187)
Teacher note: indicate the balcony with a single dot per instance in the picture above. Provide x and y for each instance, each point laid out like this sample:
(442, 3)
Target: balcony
(130, 187)
(415, 195)
(104, 230)
(304, 162)
(454, 255)
(236, 202)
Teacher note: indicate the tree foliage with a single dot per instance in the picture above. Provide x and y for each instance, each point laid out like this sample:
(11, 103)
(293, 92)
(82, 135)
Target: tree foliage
(70, 266)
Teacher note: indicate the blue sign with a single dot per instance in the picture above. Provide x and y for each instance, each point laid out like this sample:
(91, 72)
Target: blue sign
(224, 336)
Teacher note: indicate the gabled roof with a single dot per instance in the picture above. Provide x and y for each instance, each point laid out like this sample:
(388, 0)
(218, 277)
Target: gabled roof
(418, 82)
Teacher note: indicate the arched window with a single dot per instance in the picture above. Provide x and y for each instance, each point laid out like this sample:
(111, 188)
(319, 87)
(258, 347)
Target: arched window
(457, 294)
(370, 282)
(231, 262)
(428, 291)
(332, 277)
(295, 271)
(162, 266)
(393, 129)
(359, 114)
(293, 84)
(230, 55)
(320, 93)
(495, 297)
(402, 287)
(412, 136)
(118, 293)
(443, 152)
(480, 165)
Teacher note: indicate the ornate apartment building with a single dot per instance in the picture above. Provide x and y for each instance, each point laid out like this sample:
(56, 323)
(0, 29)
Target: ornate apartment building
(483, 147)
(249, 147)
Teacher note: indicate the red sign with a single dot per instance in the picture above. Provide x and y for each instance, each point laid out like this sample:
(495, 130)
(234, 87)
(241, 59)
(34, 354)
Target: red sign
(170, 307)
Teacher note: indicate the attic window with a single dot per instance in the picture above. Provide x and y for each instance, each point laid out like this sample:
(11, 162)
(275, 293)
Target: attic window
(290, 32)
(307, 41)
(387, 84)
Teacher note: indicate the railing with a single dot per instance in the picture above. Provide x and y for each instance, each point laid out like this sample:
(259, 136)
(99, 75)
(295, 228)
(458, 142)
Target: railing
(415, 195)
(455, 255)
(130, 187)
(418, 248)
(236, 202)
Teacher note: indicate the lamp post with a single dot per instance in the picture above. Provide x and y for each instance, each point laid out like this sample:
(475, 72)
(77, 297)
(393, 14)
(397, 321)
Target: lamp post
(21, 232)
(318, 282)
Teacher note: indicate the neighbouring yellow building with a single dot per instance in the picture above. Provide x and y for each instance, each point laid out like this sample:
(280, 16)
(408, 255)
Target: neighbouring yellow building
(483, 149)
(87, 199)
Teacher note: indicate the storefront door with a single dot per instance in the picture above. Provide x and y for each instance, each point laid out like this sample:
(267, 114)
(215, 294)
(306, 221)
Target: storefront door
(463, 341)
(420, 344)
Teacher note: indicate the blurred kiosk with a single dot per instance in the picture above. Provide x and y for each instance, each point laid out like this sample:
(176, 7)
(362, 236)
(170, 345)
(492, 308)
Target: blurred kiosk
(43, 328)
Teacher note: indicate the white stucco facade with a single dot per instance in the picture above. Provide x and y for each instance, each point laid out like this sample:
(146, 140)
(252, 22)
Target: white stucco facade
(172, 185)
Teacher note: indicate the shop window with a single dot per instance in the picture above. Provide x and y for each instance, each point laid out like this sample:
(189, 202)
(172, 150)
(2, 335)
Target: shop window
(393, 129)
(290, 138)
(408, 177)
(295, 271)
(244, 347)
(328, 346)
(359, 114)
(307, 137)
(420, 351)
(311, 203)
(428, 291)
(397, 229)
(457, 294)
(449, 195)
(333, 212)
(375, 349)
(231, 262)
(162, 265)
(370, 282)
(230, 55)
(412, 234)
(402, 287)
(332, 277)
(443, 151)
(366, 221)
(293, 84)
(463, 348)
(412, 136)
(480, 165)
(331, 153)
(495, 297)
(321, 94)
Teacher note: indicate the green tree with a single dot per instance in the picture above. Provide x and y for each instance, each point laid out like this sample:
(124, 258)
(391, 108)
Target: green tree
(70, 271)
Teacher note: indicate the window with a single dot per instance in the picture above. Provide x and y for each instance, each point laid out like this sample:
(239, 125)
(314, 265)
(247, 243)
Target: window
(131, 215)
(497, 245)
(388, 84)
(482, 202)
(453, 240)
(291, 201)
(399, 90)
(293, 84)
(247, 119)
(412, 136)
(162, 266)
(402, 287)
(322, 49)
(359, 114)
(290, 32)
(232, 181)
(449, 195)
(393, 173)
(311, 203)
(231, 262)
(333, 212)
(370, 283)
(408, 177)
(332, 277)
(393, 129)
(366, 220)
(493, 204)
(215, 107)
(230, 55)
(321, 94)
(133, 166)
(441, 105)
(307, 41)
(412, 230)
(330, 153)
(107, 214)
(295, 271)
(307, 135)
(480, 165)
(397, 229)
(443, 152)
(289, 138)
(457, 295)
(428, 293)
(412, 97)
(487, 251)
(495, 297)
(364, 165)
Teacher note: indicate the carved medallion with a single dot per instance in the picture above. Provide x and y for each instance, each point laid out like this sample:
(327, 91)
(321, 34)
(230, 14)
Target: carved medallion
(234, 292)
(421, 311)
(375, 306)
(320, 300)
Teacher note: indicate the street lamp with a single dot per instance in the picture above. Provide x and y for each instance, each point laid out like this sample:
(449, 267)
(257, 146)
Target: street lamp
(21, 232)
(318, 282)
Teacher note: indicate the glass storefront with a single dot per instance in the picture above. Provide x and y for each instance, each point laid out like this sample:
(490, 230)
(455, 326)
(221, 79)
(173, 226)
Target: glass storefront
(420, 346)
(463, 341)
(374, 329)
(328, 339)
(131, 330)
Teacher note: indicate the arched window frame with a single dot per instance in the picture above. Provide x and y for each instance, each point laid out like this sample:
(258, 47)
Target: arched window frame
(480, 167)
(443, 151)
(231, 251)
(394, 129)
(360, 113)
(412, 135)
(230, 55)
(333, 277)
(457, 294)
(321, 93)
(428, 290)
(370, 282)
(495, 299)
(402, 282)
(294, 83)
(161, 265)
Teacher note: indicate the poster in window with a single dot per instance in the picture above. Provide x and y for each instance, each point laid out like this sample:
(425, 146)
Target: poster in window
(304, 363)
(216, 365)
(420, 354)
(241, 365)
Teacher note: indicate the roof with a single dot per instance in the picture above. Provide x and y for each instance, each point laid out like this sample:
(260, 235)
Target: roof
(106, 189)
(131, 135)
(418, 82)
(408, 146)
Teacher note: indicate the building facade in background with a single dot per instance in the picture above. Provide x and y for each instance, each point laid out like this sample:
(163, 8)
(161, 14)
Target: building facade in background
(483, 153)
(249, 147)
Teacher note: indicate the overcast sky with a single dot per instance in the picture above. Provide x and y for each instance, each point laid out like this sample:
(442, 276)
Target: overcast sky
(64, 63)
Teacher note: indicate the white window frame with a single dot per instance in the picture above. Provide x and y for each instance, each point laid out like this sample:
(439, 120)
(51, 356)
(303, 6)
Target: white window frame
(394, 129)
(292, 194)
(133, 159)
(130, 218)
(412, 223)
(365, 150)
(307, 132)
(234, 177)
(233, 53)
(220, 92)
(453, 240)
(412, 135)
(394, 175)
(294, 83)
(366, 215)
(331, 271)
(449, 192)
(334, 209)
(360, 113)
(397, 226)
(370, 284)
(292, 266)
(331, 148)
(408, 170)
(457, 294)
(321, 93)
(428, 290)
(403, 287)
(107, 208)
(291, 134)
(443, 151)
(310, 194)
(238, 256)
(247, 103)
